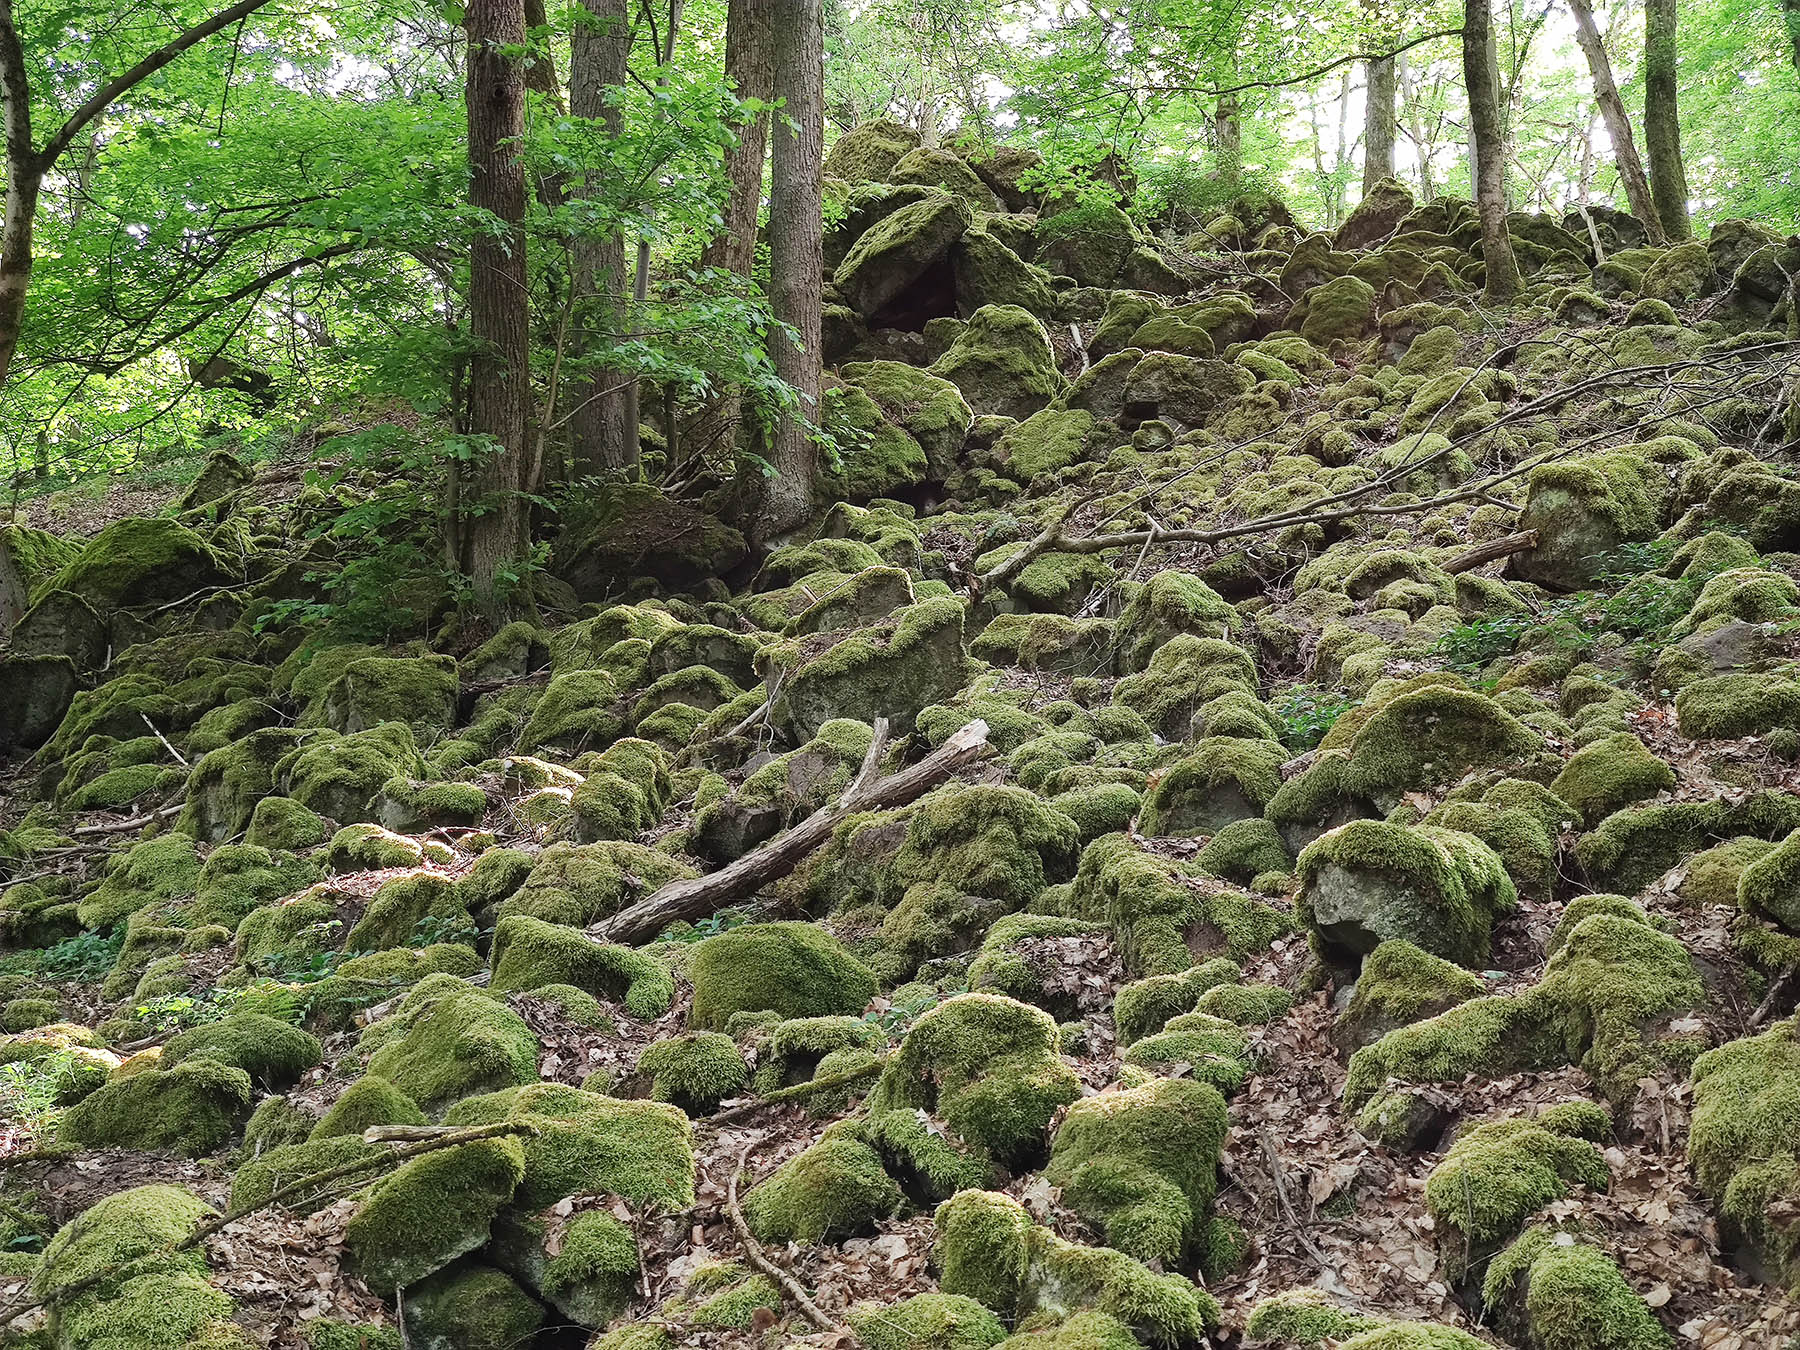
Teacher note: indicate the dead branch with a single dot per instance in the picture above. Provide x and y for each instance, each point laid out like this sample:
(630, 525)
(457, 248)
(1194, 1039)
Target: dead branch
(780, 1095)
(1493, 549)
(698, 897)
(1279, 1176)
(450, 1139)
(179, 757)
(134, 823)
(757, 1257)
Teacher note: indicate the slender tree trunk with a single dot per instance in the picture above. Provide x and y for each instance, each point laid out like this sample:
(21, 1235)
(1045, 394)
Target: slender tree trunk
(1229, 131)
(603, 430)
(640, 291)
(750, 70)
(1662, 120)
(499, 307)
(540, 75)
(1790, 24)
(1379, 120)
(1479, 75)
(1415, 133)
(1618, 122)
(796, 245)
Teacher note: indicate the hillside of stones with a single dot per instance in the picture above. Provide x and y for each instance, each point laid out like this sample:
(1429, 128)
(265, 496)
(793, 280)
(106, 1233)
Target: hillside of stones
(1261, 812)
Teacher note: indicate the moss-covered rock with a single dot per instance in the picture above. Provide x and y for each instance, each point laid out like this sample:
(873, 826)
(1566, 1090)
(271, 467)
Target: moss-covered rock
(529, 953)
(1366, 882)
(895, 252)
(1738, 704)
(894, 668)
(1400, 984)
(1501, 1172)
(273, 1053)
(1611, 773)
(1002, 362)
(987, 1067)
(343, 777)
(1226, 779)
(581, 884)
(1549, 1290)
(1430, 735)
(795, 969)
(695, 1072)
(189, 1109)
(1140, 1164)
(988, 1249)
(832, 1190)
(927, 1322)
(447, 1041)
(435, 1208)
(1304, 1319)
(470, 1307)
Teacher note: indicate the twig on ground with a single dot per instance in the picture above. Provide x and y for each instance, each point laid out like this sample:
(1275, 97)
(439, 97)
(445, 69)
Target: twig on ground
(757, 1257)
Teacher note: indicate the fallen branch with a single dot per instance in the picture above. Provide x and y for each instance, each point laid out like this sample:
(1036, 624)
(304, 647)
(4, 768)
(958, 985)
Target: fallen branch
(698, 897)
(1784, 988)
(806, 1089)
(134, 823)
(452, 1139)
(758, 1258)
(1492, 550)
(180, 758)
(1279, 1176)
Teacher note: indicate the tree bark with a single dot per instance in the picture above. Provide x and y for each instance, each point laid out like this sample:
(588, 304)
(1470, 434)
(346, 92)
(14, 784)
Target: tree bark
(1480, 77)
(796, 248)
(1379, 121)
(1228, 129)
(499, 306)
(602, 428)
(1662, 121)
(1618, 122)
(1790, 24)
(26, 164)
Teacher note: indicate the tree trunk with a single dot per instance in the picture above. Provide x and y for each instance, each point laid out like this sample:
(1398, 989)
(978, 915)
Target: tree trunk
(499, 308)
(1229, 132)
(640, 291)
(1379, 120)
(1662, 121)
(1618, 123)
(1415, 130)
(1480, 76)
(603, 430)
(1790, 23)
(796, 246)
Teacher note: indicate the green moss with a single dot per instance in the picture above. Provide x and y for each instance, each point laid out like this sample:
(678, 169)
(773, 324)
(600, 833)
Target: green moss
(1244, 850)
(1002, 362)
(1226, 779)
(1045, 442)
(987, 1067)
(1184, 674)
(1401, 984)
(895, 667)
(989, 1250)
(529, 953)
(793, 1051)
(261, 1177)
(151, 1311)
(156, 872)
(324, 1334)
(580, 884)
(1207, 1048)
(1633, 847)
(1738, 704)
(189, 1109)
(696, 1071)
(1154, 913)
(435, 1208)
(366, 847)
(1140, 1164)
(1144, 1006)
(597, 1250)
(1771, 885)
(1245, 1004)
(342, 777)
(471, 1307)
(122, 1237)
(138, 559)
(450, 1041)
(271, 1052)
(1369, 881)
(1304, 1319)
(1496, 1176)
(1015, 960)
(1430, 736)
(999, 842)
(1413, 1336)
(1713, 876)
(641, 1151)
(1082, 1331)
(370, 1100)
(1608, 774)
(832, 1190)
(796, 969)
(926, 1322)
(1599, 999)
(1551, 1289)
(577, 712)
(397, 910)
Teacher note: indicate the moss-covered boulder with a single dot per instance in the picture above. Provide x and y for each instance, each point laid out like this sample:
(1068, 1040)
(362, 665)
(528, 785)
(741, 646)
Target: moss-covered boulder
(529, 953)
(694, 1072)
(987, 1067)
(832, 1190)
(868, 152)
(1366, 882)
(343, 777)
(1400, 984)
(927, 1322)
(1610, 773)
(469, 1306)
(189, 1109)
(988, 1249)
(1141, 1164)
(435, 1208)
(795, 969)
(1550, 1289)
(272, 1052)
(1226, 779)
(139, 561)
(908, 661)
(1584, 508)
(1002, 362)
(896, 252)
(448, 1040)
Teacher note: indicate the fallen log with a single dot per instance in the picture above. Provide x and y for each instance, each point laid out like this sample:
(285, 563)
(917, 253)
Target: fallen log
(1491, 551)
(697, 897)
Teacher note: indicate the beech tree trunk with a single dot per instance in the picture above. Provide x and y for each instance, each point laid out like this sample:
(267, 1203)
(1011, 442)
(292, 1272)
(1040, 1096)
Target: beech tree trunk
(493, 524)
(750, 70)
(796, 248)
(1618, 123)
(1482, 81)
(1229, 130)
(1379, 120)
(1662, 121)
(603, 429)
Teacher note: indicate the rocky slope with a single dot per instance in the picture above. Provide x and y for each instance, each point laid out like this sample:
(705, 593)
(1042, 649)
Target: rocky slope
(1363, 910)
